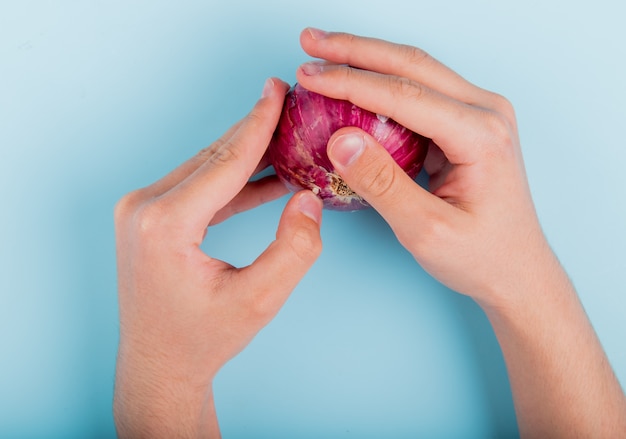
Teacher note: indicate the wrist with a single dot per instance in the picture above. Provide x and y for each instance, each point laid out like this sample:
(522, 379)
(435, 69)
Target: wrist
(562, 382)
(531, 276)
(157, 399)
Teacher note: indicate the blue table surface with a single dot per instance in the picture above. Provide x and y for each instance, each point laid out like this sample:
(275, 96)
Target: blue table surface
(98, 98)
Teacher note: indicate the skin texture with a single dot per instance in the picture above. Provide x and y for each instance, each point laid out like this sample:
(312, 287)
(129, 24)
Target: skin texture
(184, 314)
(477, 231)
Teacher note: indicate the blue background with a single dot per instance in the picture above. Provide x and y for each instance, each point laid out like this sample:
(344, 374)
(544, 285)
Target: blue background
(101, 97)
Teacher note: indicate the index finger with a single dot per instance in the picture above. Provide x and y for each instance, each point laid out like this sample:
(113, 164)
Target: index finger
(212, 185)
(453, 125)
(391, 59)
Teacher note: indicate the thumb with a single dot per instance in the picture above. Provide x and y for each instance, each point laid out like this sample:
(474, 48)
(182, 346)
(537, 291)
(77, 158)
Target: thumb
(277, 271)
(369, 170)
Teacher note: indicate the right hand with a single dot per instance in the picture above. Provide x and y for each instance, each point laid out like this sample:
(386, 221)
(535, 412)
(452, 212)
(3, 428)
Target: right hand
(477, 230)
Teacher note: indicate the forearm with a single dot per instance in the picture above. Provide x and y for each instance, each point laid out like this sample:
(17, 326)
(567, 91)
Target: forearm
(149, 403)
(562, 382)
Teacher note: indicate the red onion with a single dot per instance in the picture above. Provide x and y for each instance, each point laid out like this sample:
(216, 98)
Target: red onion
(298, 148)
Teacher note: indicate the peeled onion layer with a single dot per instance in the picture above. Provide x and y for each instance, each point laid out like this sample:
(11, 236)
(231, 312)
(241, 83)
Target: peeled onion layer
(298, 148)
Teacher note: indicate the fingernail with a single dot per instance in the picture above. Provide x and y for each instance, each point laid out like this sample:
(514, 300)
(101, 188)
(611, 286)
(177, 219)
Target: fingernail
(317, 34)
(267, 88)
(312, 68)
(347, 148)
(310, 205)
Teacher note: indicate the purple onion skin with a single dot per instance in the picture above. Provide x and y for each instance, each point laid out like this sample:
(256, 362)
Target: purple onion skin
(298, 148)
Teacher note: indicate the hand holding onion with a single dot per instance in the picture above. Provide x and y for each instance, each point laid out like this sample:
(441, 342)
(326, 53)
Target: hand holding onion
(298, 147)
(184, 314)
(478, 208)
(476, 230)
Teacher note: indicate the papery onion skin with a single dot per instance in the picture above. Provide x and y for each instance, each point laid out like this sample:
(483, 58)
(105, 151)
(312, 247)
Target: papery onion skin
(298, 148)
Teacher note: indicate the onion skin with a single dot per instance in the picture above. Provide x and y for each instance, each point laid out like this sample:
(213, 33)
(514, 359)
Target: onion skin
(298, 148)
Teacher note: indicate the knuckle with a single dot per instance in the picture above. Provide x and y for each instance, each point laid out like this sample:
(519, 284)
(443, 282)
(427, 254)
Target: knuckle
(503, 106)
(380, 181)
(207, 151)
(126, 206)
(404, 88)
(497, 124)
(226, 154)
(499, 130)
(414, 55)
(150, 218)
(227, 151)
(263, 306)
(306, 244)
(348, 73)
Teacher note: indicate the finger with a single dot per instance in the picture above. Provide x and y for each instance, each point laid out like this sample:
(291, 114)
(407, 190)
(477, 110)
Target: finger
(392, 59)
(451, 124)
(252, 195)
(187, 168)
(369, 170)
(212, 185)
(277, 271)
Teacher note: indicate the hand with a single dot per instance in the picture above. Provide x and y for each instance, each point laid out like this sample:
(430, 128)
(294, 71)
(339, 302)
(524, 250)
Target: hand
(476, 231)
(184, 314)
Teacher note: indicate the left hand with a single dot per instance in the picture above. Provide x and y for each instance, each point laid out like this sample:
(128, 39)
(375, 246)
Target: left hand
(183, 314)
